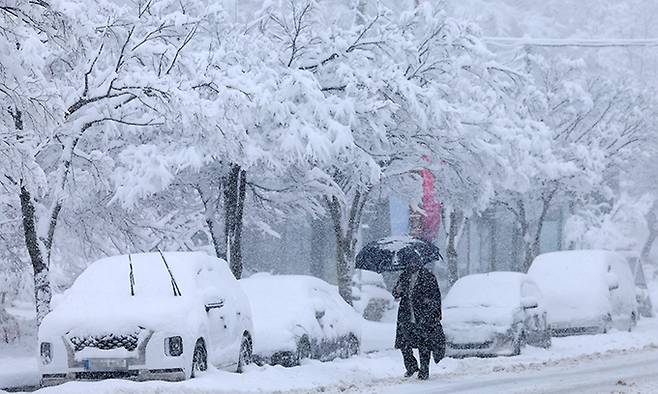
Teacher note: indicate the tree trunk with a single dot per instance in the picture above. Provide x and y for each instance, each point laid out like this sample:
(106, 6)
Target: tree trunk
(456, 218)
(481, 235)
(318, 243)
(515, 252)
(572, 211)
(560, 229)
(468, 246)
(646, 249)
(524, 231)
(216, 242)
(534, 245)
(652, 221)
(360, 11)
(346, 232)
(209, 212)
(343, 263)
(34, 246)
(42, 290)
(492, 240)
(234, 198)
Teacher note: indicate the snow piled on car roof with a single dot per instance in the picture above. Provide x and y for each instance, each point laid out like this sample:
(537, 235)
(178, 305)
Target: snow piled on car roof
(494, 289)
(100, 299)
(480, 306)
(284, 308)
(574, 283)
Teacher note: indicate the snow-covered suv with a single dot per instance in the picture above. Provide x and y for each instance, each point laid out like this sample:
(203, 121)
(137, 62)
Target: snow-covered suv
(298, 317)
(586, 291)
(147, 316)
(494, 314)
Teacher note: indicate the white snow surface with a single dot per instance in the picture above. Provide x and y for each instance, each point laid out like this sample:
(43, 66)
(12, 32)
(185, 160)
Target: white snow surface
(375, 370)
(369, 285)
(284, 308)
(366, 277)
(479, 306)
(494, 289)
(100, 300)
(379, 370)
(397, 242)
(574, 284)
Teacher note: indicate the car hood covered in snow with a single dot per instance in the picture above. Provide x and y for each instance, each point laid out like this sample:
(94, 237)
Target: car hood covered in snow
(574, 285)
(480, 306)
(477, 323)
(100, 300)
(284, 308)
(122, 316)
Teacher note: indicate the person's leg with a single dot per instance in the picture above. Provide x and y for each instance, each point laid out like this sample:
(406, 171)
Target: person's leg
(424, 353)
(410, 362)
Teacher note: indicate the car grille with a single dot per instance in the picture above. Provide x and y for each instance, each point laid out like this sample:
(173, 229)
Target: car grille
(106, 342)
(101, 375)
(471, 346)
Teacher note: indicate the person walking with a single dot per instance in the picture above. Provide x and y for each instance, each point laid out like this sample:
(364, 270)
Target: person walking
(419, 319)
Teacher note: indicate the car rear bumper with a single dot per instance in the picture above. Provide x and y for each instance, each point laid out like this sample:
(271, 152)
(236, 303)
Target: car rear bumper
(492, 348)
(563, 331)
(169, 374)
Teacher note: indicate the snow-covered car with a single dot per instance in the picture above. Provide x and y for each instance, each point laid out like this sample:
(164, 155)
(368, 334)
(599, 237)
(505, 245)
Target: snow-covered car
(297, 317)
(494, 314)
(586, 291)
(370, 296)
(642, 294)
(147, 316)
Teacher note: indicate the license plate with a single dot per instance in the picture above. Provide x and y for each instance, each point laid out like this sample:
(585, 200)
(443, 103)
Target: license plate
(105, 364)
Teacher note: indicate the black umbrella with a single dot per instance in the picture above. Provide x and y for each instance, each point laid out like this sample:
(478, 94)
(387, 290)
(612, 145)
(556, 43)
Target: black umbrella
(396, 253)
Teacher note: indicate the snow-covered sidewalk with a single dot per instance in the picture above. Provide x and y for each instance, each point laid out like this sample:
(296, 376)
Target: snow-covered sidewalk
(358, 373)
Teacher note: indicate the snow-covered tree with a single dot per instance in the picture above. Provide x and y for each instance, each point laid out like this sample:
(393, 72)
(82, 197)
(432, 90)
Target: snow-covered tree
(592, 123)
(104, 74)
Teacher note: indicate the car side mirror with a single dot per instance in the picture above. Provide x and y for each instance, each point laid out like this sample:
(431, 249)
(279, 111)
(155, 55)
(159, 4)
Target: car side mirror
(529, 303)
(214, 305)
(613, 282)
(319, 315)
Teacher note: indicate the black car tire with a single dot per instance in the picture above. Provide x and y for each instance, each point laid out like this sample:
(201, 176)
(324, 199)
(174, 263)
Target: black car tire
(352, 346)
(518, 343)
(607, 324)
(303, 350)
(633, 322)
(246, 353)
(199, 358)
(546, 342)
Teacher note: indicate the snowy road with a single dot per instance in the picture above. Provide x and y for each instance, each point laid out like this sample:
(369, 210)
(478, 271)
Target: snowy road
(582, 364)
(635, 372)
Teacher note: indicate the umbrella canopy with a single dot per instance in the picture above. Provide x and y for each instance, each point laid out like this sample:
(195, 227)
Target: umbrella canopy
(396, 253)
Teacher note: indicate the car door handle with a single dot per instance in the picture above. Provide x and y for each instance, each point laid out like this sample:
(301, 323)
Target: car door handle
(214, 305)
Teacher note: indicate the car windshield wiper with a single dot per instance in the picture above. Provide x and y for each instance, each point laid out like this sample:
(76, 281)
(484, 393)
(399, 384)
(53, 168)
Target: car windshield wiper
(174, 285)
(132, 277)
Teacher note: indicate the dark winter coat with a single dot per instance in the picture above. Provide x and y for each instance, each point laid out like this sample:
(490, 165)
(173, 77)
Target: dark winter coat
(427, 331)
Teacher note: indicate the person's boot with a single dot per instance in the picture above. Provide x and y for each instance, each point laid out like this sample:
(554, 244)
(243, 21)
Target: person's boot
(423, 374)
(410, 372)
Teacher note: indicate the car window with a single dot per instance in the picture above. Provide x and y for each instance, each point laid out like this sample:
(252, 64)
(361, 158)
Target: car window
(530, 289)
(211, 282)
(482, 290)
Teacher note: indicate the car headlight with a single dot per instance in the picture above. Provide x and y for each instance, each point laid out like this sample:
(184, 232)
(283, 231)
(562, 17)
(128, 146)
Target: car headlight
(46, 353)
(173, 346)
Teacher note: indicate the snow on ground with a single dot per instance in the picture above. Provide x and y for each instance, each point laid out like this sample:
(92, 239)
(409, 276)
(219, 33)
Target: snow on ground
(612, 372)
(17, 370)
(373, 370)
(380, 368)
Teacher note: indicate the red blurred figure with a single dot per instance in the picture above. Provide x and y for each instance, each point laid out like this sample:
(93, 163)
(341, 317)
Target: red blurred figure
(425, 225)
